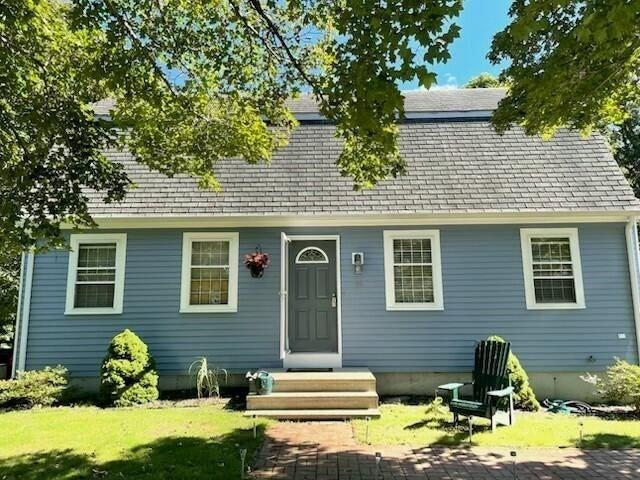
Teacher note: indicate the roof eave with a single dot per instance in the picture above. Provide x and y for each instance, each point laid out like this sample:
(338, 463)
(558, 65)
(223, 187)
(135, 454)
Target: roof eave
(360, 219)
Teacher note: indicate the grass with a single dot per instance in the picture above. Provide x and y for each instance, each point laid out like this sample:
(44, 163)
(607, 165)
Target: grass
(203, 442)
(419, 425)
(139, 443)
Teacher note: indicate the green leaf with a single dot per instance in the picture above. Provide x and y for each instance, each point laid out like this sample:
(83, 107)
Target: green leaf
(425, 77)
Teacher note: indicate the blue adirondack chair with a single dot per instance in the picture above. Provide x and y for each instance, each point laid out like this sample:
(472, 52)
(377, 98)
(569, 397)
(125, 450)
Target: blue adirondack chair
(492, 393)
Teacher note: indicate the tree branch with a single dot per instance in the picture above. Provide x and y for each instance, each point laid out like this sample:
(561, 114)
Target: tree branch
(248, 26)
(255, 4)
(133, 36)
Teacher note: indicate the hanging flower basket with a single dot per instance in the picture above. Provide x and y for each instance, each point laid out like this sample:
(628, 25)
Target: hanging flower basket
(256, 262)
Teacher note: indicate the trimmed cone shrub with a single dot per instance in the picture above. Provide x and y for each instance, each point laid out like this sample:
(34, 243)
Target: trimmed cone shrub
(128, 376)
(34, 388)
(523, 396)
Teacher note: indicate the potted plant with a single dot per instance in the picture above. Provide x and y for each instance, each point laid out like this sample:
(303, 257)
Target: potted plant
(256, 262)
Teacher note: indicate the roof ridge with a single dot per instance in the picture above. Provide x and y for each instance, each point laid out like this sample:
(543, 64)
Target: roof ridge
(445, 100)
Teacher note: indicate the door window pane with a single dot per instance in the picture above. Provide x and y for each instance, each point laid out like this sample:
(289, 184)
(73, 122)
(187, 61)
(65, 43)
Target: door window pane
(312, 255)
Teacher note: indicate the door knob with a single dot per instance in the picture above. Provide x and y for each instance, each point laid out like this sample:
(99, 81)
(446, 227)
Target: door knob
(334, 301)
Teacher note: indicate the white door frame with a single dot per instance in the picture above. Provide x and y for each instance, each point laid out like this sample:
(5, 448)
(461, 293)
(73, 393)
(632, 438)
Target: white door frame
(306, 360)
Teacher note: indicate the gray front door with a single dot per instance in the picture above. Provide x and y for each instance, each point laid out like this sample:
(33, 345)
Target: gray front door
(313, 312)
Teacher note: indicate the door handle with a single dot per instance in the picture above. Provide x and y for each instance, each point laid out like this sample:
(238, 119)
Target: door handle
(334, 301)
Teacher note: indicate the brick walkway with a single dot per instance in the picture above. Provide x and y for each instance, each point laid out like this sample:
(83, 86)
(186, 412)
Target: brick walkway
(328, 451)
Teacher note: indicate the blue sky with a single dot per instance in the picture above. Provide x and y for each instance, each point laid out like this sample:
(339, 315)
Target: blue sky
(480, 20)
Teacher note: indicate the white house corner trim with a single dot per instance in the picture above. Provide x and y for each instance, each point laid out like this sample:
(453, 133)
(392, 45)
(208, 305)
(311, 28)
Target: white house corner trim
(18, 326)
(24, 309)
(631, 234)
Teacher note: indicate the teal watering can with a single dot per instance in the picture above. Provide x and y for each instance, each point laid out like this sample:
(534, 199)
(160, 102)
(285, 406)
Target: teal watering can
(264, 383)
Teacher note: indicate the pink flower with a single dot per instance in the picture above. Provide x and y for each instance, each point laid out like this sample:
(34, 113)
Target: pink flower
(256, 259)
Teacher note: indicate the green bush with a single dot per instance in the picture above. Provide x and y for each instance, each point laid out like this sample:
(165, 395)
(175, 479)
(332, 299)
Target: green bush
(128, 375)
(34, 388)
(620, 385)
(523, 396)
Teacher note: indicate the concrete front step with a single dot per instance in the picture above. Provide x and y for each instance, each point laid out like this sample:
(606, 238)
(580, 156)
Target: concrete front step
(332, 414)
(312, 400)
(308, 395)
(339, 380)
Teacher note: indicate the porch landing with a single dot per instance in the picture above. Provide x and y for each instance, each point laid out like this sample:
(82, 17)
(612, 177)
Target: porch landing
(322, 395)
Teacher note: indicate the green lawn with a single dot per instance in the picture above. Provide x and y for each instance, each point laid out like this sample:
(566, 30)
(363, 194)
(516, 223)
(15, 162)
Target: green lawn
(421, 426)
(87, 442)
(203, 442)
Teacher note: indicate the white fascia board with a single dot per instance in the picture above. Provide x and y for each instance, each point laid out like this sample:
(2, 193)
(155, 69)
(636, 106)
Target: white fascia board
(354, 220)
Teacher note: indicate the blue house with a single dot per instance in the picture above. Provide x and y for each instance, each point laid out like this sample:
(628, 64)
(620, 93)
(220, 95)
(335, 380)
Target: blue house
(486, 234)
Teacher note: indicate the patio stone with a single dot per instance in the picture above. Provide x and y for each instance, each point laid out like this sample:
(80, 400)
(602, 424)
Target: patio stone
(328, 451)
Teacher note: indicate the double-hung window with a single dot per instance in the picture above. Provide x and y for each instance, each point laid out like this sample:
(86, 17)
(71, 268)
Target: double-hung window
(552, 270)
(209, 272)
(95, 280)
(413, 275)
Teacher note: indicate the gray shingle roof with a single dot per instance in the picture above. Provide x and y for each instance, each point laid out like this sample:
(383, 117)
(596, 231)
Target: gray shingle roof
(456, 100)
(452, 167)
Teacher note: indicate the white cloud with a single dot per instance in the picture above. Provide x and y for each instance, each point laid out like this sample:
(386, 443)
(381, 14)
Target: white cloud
(450, 83)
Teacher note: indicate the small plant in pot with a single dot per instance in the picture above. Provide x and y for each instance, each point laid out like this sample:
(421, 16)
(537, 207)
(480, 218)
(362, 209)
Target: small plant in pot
(256, 262)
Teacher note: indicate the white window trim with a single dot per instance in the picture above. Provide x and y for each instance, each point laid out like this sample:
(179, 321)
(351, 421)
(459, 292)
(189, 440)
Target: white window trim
(434, 236)
(526, 234)
(120, 239)
(187, 239)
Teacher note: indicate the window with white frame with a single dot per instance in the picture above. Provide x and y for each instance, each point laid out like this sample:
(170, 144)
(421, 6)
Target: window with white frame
(413, 275)
(552, 269)
(95, 279)
(209, 272)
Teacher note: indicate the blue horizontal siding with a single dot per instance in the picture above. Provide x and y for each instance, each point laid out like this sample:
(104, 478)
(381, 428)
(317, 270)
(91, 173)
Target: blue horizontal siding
(483, 295)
